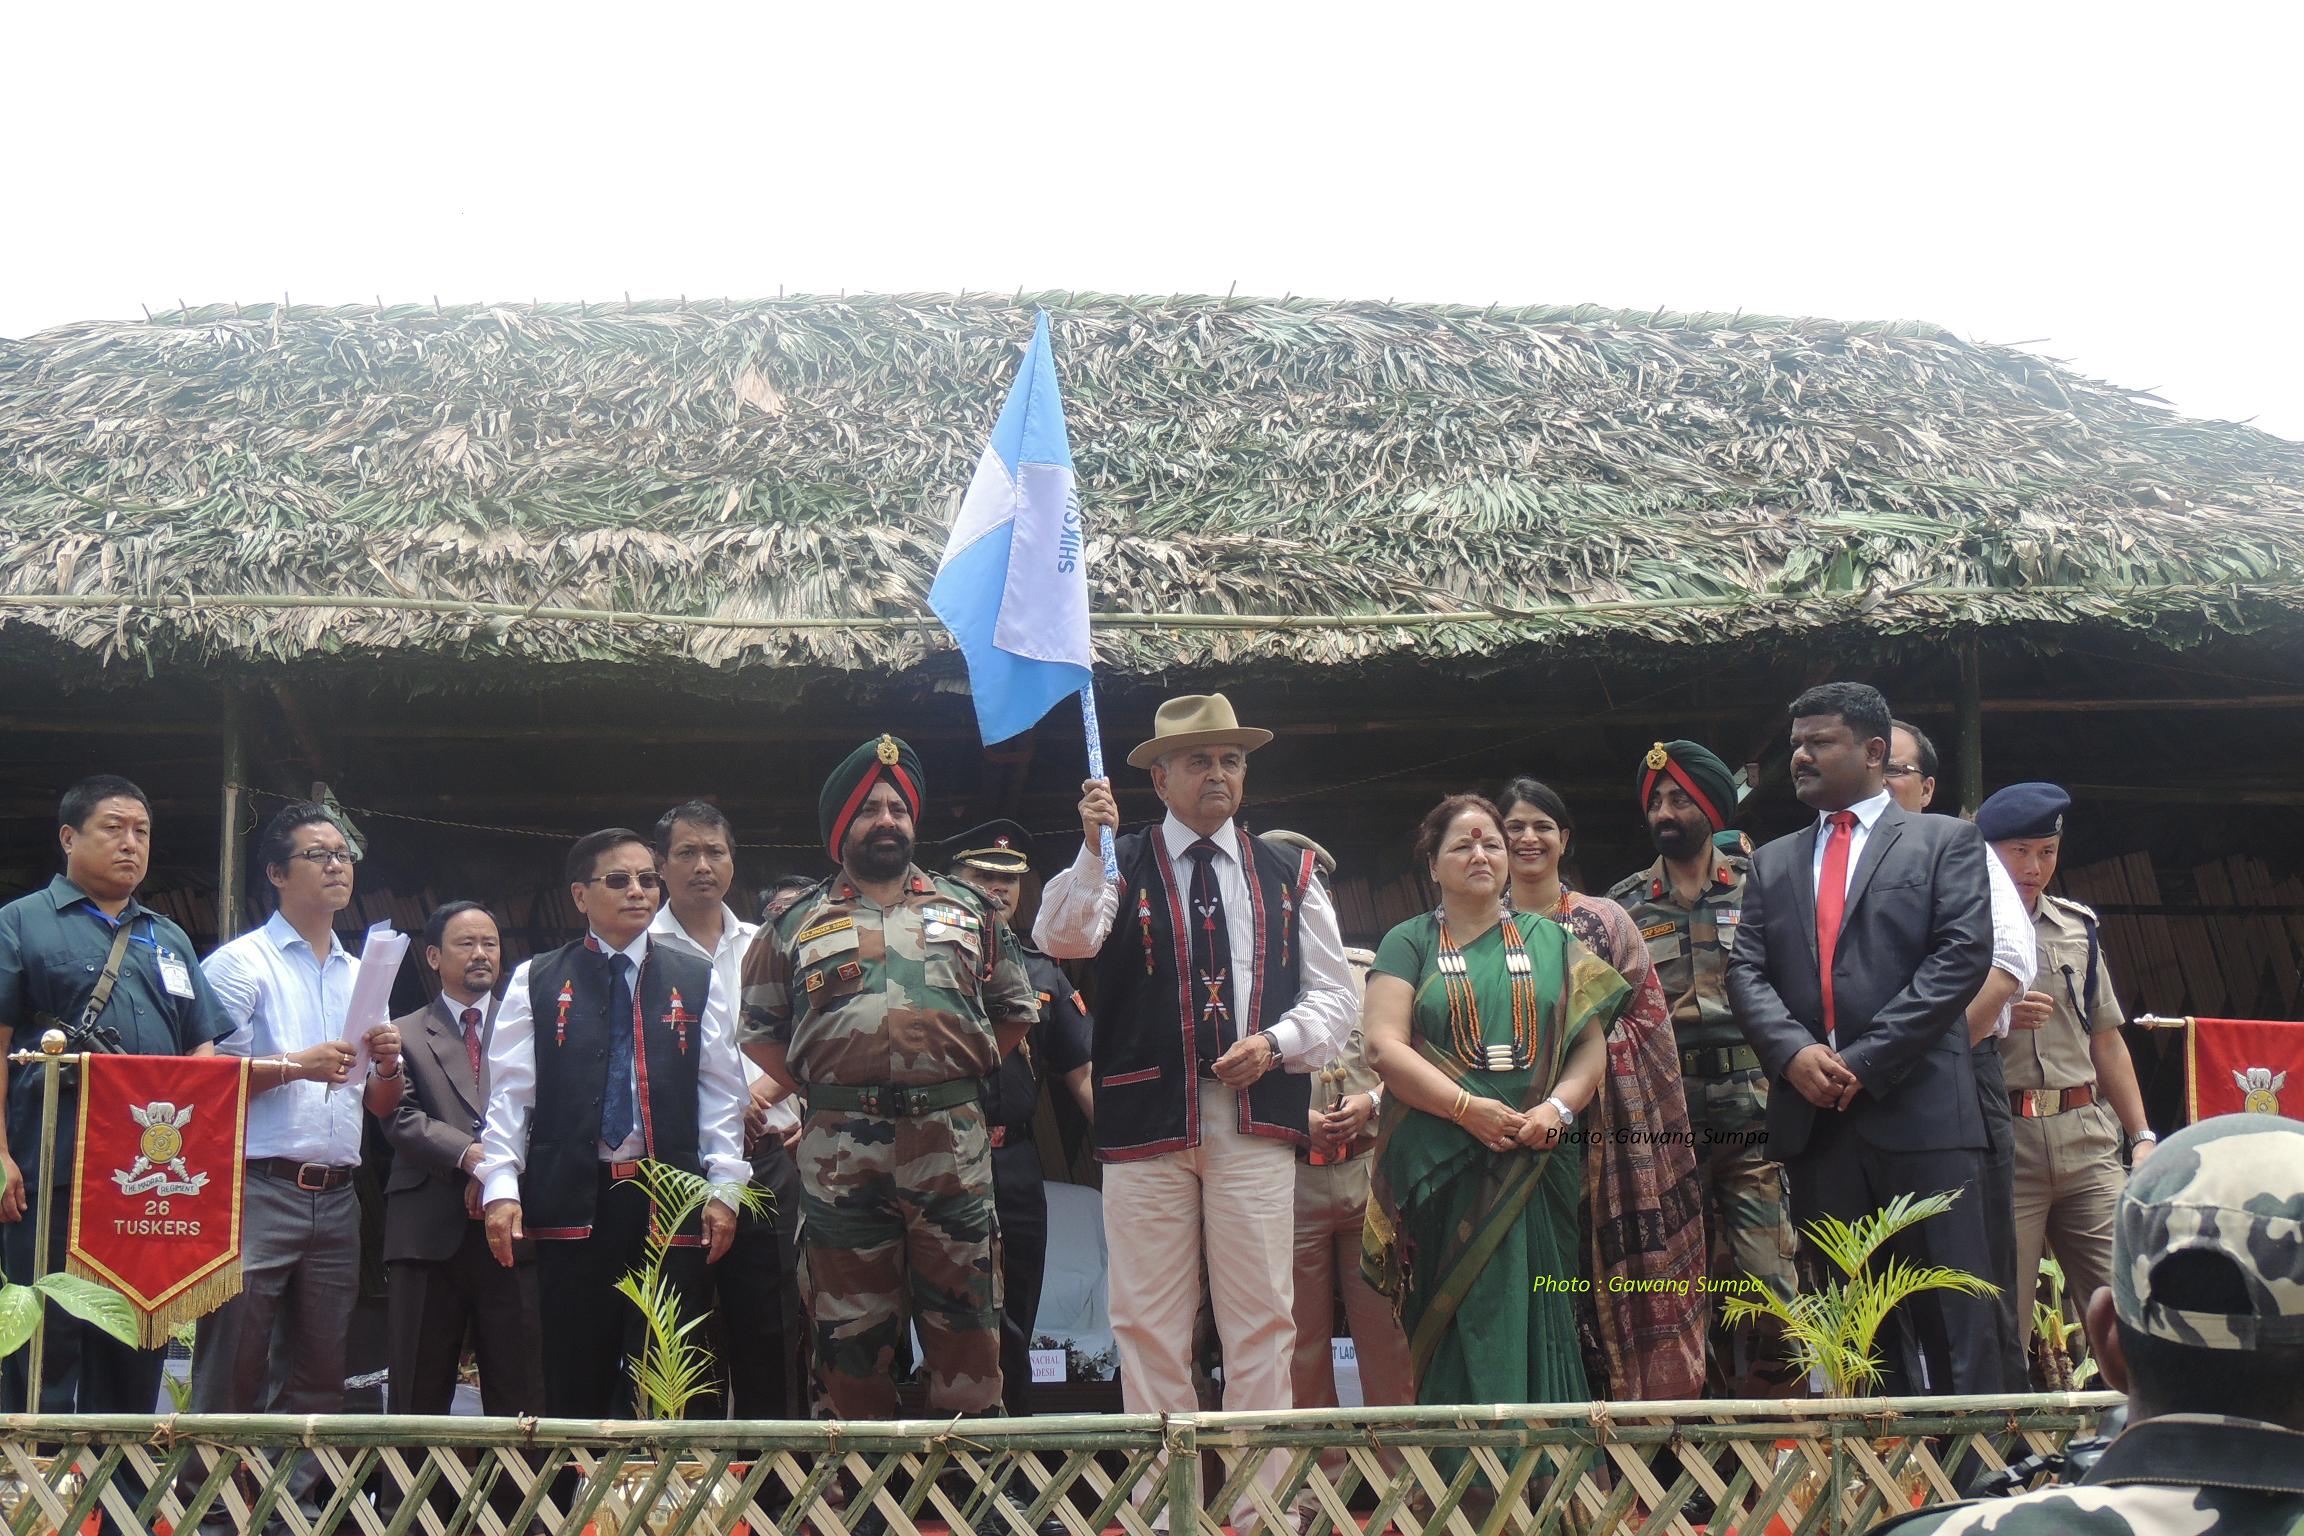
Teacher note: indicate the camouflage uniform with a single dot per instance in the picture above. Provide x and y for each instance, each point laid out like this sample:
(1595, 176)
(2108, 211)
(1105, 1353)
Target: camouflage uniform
(1744, 1201)
(887, 1017)
(2232, 1185)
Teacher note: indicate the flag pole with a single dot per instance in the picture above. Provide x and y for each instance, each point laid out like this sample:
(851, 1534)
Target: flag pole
(1095, 735)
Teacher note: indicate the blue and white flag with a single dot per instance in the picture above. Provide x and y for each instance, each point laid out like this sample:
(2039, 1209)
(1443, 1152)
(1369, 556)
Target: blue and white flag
(1013, 584)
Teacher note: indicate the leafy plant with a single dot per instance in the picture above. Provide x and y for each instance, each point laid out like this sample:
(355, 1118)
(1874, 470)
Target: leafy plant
(87, 1300)
(2060, 1343)
(1832, 1330)
(672, 1369)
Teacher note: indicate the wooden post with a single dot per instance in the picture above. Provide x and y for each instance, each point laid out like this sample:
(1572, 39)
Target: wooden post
(229, 863)
(1971, 726)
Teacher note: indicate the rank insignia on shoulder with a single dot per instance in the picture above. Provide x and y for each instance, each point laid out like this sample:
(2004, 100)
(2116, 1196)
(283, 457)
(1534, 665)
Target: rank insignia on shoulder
(1658, 930)
(818, 930)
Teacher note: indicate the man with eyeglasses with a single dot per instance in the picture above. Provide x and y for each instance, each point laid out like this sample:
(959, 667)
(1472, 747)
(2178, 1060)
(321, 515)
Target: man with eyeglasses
(278, 1346)
(1912, 764)
(607, 1051)
(1221, 986)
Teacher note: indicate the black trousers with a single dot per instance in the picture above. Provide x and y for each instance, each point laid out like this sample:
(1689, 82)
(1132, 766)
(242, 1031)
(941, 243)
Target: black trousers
(1020, 1196)
(433, 1305)
(759, 1327)
(1998, 1190)
(84, 1369)
(593, 1327)
(1940, 1342)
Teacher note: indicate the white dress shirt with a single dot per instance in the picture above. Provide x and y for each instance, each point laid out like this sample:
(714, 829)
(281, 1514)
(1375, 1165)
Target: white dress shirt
(512, 1092)
(1078, 908)
(2015, 949)
(282, 998)
(1867, 812)
(727, 960)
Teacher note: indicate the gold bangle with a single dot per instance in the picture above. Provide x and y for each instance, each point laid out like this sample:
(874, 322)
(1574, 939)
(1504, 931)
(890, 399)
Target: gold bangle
(1463, 1105)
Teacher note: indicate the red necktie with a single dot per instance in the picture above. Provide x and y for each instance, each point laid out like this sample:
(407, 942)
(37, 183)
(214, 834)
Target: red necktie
(1831, 903)
(471, 1023)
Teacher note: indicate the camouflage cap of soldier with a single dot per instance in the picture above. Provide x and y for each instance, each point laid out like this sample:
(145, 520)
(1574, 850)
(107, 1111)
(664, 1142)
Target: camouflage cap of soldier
(1297, 843)
(884, 757)
(997, 847)
(1733, 841)
(1695, 769)
(2023, 810)
(2233, 1185)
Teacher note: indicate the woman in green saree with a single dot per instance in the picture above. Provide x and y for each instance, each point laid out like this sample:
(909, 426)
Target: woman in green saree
(1489, 1030)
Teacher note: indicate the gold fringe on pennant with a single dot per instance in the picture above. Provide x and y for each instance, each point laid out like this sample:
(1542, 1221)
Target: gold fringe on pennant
(195, 1301)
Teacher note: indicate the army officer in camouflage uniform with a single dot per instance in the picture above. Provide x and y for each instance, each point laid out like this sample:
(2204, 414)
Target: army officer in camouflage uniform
(885, 996)
(2203, 1328)
(1687, 904)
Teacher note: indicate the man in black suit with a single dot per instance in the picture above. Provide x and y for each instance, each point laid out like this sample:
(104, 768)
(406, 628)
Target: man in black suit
(1862, 941)
(443, 1279)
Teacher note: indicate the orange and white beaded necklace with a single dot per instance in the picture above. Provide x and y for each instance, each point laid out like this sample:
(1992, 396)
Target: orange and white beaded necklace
(1465, 1035)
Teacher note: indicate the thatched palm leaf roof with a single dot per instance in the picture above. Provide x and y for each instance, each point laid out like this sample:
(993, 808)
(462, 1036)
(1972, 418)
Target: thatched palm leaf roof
(1375, 478)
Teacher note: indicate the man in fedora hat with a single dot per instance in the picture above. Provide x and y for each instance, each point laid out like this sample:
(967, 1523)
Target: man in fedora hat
(1221, 985)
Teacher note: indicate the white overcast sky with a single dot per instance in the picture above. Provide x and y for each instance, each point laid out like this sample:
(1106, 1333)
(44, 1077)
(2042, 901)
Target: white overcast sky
(2115, 184)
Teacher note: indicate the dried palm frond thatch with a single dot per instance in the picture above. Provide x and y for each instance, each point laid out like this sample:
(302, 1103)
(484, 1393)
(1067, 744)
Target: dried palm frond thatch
(771, 481)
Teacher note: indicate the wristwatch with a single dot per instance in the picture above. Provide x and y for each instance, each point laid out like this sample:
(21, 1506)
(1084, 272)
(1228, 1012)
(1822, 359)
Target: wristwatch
(1567, 1115)
(2145, 1135)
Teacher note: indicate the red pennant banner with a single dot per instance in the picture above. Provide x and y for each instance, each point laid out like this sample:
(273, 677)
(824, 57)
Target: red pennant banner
(2252, 1065)
(157, 1183)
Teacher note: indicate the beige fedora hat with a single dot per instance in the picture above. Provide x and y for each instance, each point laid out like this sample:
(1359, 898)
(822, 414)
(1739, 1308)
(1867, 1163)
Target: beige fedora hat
(1195, 720)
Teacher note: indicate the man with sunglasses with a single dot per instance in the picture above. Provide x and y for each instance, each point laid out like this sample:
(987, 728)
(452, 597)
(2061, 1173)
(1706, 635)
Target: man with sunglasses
(278, 1346)
(607, 1051)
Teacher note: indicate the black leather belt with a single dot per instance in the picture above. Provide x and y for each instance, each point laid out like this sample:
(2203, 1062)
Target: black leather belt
(310, 1177)
(896, 1101)
(1718, 1061)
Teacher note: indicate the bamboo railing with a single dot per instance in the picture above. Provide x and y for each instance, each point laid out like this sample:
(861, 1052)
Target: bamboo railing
(1753, 1467)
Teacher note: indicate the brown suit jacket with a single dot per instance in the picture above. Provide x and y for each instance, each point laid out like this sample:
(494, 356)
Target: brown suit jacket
(437, 1118)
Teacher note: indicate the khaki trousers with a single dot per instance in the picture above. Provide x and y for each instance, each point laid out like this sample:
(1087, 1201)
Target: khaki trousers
(1331, 1211)
(2068, 1182)
(1229, 1201)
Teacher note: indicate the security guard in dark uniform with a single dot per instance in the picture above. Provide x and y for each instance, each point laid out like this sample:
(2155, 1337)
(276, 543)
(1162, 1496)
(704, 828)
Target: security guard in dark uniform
(85, 934)
(993, 859)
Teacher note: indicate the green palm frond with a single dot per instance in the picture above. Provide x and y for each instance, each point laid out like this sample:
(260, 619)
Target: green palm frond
(673, 1368)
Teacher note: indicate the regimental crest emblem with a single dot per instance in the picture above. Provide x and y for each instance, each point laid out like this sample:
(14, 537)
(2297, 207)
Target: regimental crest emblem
(159, 1167)
(2260, 1089)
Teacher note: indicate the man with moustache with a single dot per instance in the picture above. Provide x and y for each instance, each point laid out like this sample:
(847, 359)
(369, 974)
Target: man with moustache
(1911, 771)
(992, 860)
(1688, 904)
(755, 1310)
(885, 996)
(1221, 985)
(444, 1283)
(278, 1346)
(606, 1051)
(1862, 940)
(86, 933)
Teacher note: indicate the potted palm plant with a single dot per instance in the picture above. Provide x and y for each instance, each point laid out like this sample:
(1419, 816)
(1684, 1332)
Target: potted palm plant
(1834, 1331)
(673, 1368)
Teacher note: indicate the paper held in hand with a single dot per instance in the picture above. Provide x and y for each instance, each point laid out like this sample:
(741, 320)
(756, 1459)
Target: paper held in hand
(380, 956)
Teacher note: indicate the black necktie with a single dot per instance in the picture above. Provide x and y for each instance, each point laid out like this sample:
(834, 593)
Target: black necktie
(616, 1113)
(1212, 1029)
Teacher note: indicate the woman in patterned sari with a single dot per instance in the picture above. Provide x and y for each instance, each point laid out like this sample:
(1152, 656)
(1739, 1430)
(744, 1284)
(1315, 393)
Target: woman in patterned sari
(1488, 1030)
(1643, 1324)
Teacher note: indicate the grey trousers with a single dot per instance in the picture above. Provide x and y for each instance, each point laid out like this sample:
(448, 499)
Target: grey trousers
(278, 1346)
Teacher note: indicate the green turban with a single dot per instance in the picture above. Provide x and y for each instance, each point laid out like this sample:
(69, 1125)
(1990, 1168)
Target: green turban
(881, 758)
(1697, 771)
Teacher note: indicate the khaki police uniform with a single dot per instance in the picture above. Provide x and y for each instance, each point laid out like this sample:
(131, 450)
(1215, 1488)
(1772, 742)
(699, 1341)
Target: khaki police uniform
(1747, 1219)
(2068, 1173)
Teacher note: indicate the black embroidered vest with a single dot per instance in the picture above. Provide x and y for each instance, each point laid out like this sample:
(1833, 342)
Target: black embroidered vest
(1147, 1085)
(568, 990)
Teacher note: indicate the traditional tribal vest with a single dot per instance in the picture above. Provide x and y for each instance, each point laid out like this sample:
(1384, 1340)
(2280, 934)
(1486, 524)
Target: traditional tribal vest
(1147, 1085)
(569, 990)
